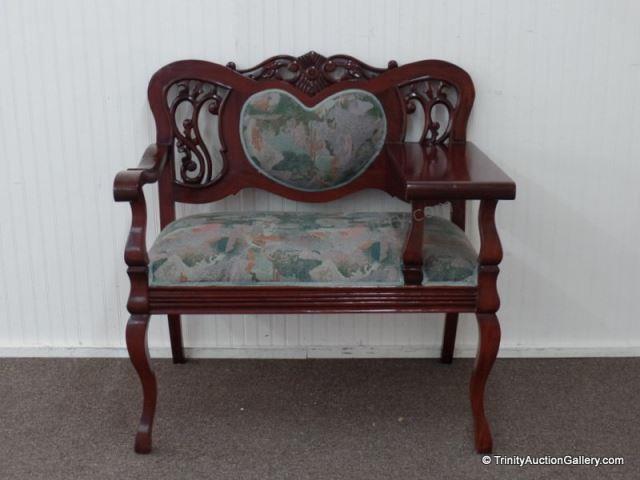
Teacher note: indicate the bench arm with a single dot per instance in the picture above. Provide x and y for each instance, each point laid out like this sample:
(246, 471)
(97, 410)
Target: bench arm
(127, 187)
(412, 261)
(489, 257)
(423, 175)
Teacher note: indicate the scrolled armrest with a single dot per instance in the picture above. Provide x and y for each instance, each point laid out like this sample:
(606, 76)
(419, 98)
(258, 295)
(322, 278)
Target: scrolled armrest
(127, 187)
(128, 183)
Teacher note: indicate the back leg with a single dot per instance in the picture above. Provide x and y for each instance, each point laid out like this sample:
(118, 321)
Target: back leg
(175, 334)
(458, 216)
(449, 337)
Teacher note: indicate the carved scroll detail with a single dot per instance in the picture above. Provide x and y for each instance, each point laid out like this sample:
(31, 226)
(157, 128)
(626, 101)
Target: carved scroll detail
(312, 72)
(430, 93)
(196, 165)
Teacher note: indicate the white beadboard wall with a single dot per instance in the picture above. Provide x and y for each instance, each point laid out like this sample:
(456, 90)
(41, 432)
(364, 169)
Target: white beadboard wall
(558, 107)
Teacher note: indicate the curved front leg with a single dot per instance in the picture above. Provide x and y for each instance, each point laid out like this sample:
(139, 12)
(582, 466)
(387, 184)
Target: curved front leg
(139, 353)
(488, 344)
(488, 326)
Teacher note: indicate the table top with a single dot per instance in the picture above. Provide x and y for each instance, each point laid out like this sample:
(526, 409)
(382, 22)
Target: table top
(446, 172)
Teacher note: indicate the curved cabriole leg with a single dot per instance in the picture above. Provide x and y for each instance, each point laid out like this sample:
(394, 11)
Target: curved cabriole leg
(488, 344)
(175, 334)
(488, 304)
(139, 354)
(449, 337)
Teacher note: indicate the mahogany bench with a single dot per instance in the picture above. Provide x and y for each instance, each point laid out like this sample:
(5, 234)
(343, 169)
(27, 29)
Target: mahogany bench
(313, 129)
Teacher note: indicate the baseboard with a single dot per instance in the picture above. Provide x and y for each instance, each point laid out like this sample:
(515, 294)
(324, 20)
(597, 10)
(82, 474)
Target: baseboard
(379, 351)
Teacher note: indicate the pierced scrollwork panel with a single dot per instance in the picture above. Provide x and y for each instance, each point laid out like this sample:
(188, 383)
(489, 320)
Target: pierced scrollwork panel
(430, 105)
(194, 108)
(312, 72)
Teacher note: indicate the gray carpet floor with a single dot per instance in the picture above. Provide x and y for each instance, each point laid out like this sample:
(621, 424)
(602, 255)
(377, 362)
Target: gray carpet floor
(315, 419)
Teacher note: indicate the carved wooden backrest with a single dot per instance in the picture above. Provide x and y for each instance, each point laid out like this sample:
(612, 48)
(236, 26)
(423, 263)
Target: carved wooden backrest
(309, 128)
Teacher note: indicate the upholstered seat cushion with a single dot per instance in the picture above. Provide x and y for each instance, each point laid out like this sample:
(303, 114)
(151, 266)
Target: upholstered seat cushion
(269, 248)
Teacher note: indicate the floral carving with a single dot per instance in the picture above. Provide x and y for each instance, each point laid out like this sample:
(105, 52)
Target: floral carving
(312, 72)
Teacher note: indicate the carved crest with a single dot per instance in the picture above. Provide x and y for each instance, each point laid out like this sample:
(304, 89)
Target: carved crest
(312, 72)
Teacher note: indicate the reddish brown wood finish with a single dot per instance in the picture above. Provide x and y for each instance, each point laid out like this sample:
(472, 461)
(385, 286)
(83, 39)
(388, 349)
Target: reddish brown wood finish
(238, 173)
(277, 299)
(412, 255)
(128, 187)
(489, 328)
(488, 344)
(458, 216)
(445, 173)
(449, 337)
(175, 334)
(139, 353)
(441, 167)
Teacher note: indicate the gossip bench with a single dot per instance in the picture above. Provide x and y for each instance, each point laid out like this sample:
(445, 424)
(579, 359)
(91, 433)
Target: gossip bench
(313, 129)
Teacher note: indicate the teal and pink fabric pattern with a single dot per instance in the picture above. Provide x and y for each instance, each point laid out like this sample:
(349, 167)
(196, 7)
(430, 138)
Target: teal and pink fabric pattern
(312, 149)
(315, 249)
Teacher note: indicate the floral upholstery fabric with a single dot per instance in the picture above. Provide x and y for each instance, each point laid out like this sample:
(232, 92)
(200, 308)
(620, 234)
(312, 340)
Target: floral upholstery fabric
(312, 149)
(316, 249)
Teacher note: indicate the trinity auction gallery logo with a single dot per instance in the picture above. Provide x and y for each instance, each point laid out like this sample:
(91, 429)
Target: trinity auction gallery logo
(522, 461)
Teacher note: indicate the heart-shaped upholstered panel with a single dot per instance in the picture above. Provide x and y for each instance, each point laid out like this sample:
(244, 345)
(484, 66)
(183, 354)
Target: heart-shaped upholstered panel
(312, 149)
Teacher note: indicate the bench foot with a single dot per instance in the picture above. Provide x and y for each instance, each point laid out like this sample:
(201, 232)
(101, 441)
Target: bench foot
(139, 354)
(488, 344)
(449, 337)
(175, 334)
